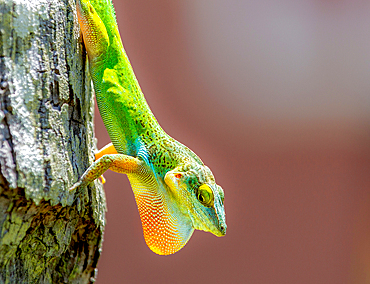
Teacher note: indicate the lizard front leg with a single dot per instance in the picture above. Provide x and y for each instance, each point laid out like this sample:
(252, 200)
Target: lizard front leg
(107, 149)
(116, 162)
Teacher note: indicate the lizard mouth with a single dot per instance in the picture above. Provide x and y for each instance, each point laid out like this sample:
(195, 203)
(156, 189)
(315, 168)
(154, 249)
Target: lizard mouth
(220, 229)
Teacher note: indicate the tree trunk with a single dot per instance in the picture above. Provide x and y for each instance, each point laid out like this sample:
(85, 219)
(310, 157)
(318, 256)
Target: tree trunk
(47, 235)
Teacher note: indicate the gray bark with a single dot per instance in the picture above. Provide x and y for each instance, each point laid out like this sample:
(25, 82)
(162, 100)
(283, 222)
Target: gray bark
(47, 235)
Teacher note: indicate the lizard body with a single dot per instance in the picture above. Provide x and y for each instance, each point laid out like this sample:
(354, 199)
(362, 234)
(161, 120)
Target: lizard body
(174, 191)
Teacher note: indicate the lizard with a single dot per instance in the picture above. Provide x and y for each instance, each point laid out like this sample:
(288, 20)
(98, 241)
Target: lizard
(175, 191)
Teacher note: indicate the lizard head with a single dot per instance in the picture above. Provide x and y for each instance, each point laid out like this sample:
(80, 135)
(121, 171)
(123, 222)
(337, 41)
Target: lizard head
(198, 196)
(175, 202)
(171, 208)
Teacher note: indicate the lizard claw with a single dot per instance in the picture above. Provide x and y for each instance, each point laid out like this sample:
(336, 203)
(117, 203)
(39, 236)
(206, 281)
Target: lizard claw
(102, 179)
(75, 186)
(81, 183)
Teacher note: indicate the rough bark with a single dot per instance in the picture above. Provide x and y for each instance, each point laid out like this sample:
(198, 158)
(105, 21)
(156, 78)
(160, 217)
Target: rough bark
(47, 235)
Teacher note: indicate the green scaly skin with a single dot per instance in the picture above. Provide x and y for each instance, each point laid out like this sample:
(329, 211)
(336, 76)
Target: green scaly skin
(175, 192)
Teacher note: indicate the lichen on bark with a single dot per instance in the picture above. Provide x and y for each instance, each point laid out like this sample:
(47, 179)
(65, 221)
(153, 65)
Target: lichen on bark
(47, 234)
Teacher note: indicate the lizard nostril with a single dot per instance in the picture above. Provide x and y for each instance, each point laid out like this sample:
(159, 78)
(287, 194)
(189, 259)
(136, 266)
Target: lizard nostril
(223, 229)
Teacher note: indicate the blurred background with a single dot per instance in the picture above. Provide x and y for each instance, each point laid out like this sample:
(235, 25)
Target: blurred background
(274, 96)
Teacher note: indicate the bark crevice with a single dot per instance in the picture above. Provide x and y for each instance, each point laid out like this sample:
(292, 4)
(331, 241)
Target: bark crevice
(47, 234)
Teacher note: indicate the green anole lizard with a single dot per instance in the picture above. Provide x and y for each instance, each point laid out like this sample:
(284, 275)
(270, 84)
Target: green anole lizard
(174, 191)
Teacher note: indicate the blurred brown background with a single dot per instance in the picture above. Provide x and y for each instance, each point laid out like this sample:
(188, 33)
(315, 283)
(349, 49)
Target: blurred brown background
(274, 96)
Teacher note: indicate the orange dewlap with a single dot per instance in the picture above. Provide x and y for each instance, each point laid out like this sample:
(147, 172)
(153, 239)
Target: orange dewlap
(159, 227)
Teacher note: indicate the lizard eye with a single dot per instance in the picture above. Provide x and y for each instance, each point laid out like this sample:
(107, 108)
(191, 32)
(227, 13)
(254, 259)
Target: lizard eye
(205, 195)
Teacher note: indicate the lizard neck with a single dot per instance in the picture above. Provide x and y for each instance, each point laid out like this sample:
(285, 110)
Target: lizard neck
(121, 103)
(126, 114)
